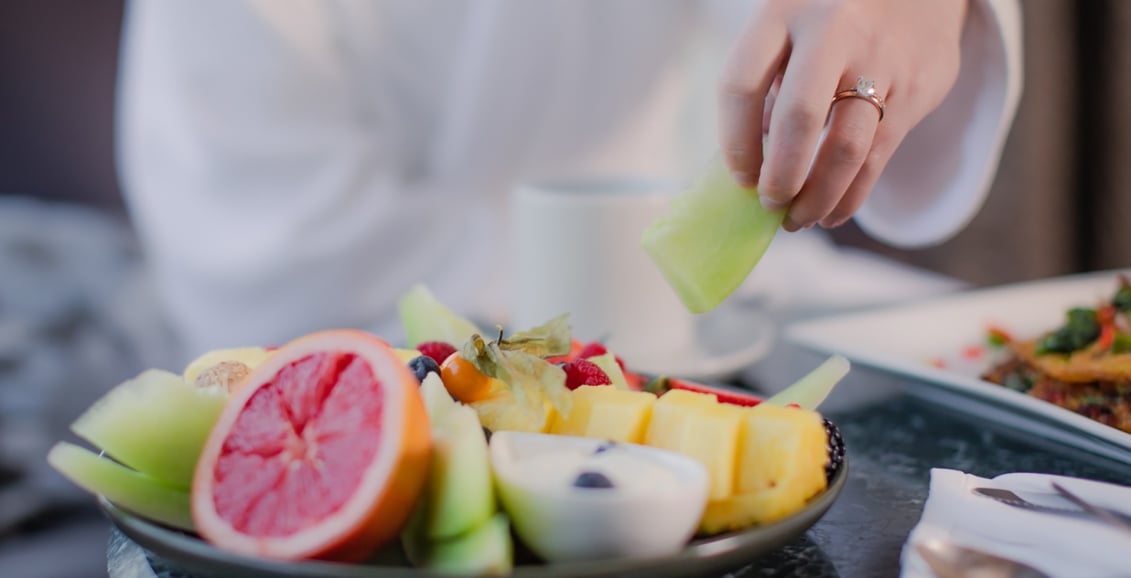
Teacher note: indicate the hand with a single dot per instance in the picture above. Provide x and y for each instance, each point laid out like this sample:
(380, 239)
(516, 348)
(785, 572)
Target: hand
(778, 85)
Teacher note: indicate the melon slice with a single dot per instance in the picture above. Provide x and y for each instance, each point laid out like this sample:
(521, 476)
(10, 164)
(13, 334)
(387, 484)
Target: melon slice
(322, 454)
(812, 389)
(126, 488)
(155, 423)
(711, 239)
(608, 363)
(461, 492)
(425, 318)
(486, 550)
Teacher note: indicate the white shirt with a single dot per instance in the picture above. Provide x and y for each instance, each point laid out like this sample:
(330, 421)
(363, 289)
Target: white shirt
(295, 165)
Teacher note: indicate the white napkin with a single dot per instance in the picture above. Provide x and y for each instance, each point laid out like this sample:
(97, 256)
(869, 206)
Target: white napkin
(1060, 546)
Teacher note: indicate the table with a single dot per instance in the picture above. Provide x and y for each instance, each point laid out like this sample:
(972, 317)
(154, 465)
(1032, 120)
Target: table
(893, 439)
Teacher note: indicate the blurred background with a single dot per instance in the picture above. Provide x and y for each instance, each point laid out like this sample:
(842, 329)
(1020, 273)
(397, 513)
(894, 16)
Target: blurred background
(76, 314)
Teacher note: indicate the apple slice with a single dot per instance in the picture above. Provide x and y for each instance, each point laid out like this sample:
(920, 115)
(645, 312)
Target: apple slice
(711, 239)
(126, 488)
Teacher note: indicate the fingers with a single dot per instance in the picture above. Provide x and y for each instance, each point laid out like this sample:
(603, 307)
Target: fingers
(843, 151)
(887, 140)
(754, 62)
(798, 118)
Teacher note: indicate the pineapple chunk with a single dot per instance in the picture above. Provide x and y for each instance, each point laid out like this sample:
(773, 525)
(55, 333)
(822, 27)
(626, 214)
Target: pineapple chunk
(698, 426)
(780, 466)
(668, 426)
(607, 413)
(502, 413)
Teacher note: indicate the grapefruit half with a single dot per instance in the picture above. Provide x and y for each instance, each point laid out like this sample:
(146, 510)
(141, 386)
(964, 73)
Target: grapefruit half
(321, 455)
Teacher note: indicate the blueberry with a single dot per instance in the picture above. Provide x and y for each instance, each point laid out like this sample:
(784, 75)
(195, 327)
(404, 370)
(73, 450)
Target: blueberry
(592, 480)
(422, 366)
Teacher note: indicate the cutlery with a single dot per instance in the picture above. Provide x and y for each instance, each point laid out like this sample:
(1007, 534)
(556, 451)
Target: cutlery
(949, 560)
(1113, 518)
(1012, 499)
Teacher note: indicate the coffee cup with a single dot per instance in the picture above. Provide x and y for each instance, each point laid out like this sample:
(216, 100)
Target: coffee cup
(576, 250)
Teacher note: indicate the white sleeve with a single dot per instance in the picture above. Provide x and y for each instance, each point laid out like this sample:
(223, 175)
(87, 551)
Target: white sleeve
(940, 176)
(250, 168)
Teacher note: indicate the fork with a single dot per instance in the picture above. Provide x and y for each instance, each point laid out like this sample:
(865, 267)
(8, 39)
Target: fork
(948, 560)
(1112, 518)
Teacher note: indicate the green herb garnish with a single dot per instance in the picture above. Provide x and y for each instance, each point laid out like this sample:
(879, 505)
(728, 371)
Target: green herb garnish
(1081, 329)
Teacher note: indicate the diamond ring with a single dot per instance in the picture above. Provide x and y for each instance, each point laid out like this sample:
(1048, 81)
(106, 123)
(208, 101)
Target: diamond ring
(865, 89)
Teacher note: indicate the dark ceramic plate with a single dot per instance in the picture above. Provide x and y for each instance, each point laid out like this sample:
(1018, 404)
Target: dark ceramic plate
(189, 554)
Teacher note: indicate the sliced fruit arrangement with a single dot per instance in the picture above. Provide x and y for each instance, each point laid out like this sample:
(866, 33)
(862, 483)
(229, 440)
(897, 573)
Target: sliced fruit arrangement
(337, 444)
(766, 457)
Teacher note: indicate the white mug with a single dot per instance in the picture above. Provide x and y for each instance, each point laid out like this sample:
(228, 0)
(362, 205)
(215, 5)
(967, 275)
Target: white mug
(576, 250)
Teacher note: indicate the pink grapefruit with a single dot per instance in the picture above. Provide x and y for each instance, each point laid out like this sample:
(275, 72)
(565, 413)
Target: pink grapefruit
(322, 453)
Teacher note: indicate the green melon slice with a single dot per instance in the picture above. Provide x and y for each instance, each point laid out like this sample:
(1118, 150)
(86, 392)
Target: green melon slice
(812, 389)
(460, 495)
(608, 363)
(486, 550)
(711, 238)
(155, 423)
(425, 318)
(124, 487)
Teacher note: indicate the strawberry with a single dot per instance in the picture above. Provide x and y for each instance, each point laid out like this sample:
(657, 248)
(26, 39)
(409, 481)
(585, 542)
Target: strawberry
(580, 372)
(663, 384)
(592, 349)
(437, 350)
(595, 348)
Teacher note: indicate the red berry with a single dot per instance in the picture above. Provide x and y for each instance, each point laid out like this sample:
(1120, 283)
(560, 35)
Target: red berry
(620, 362)
(437, 350)
(580, 372)
(592, 349)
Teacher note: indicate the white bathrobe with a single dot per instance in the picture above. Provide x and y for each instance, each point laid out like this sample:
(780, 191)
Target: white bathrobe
(295, 165)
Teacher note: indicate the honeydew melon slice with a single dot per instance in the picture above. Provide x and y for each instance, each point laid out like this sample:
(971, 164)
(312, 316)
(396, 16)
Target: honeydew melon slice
(812, 389)
(126, 488)
(711, 238)
(460, 495)
(155, 423)
(608, 363)
(486, 550)
(425, 318)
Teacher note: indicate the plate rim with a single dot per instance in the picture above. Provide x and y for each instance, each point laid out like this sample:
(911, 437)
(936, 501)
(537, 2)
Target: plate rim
(726, 551)
(1087, 433)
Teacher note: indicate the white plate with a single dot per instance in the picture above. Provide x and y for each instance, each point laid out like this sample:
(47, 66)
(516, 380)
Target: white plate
(909, 339)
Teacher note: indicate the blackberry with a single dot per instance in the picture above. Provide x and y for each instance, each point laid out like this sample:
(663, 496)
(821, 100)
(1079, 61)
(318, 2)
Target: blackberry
(834, 447)
(595, 480)
(422, 365)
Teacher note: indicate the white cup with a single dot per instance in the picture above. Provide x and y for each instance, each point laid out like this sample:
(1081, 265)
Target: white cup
(576, 248)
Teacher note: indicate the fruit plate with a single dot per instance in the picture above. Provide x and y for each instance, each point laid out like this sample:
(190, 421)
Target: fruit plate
(939, 343)
(187, 554)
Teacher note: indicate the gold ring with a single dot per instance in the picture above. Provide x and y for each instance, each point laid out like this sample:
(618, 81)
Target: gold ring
(865, 89)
